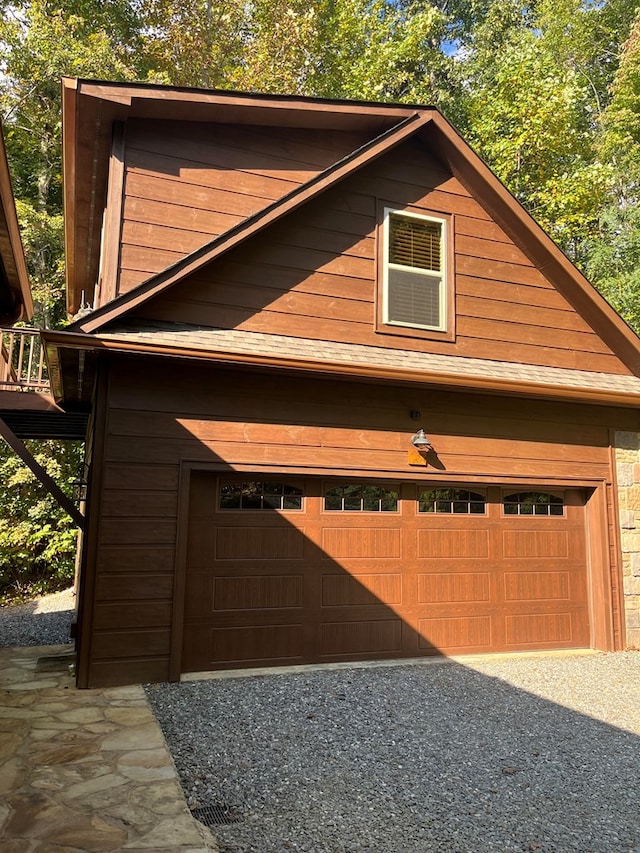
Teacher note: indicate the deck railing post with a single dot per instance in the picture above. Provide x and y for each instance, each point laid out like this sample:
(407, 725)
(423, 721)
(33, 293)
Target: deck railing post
(22, 363)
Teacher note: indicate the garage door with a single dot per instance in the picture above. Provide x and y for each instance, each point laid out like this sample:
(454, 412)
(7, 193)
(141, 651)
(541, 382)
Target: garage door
(288, 571)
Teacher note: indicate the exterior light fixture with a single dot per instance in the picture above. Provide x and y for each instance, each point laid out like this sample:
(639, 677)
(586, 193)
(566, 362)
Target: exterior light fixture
(420, 441)
(419, 450)
(79, 484)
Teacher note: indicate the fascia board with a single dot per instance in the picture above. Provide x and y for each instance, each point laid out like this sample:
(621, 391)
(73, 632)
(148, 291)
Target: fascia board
(339, 370)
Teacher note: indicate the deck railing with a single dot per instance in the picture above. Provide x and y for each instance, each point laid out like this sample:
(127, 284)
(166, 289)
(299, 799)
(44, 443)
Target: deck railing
(22, 362)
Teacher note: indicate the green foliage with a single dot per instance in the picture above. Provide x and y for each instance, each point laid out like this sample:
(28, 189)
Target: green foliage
(37, 538)
(548, 91)
(613, 256)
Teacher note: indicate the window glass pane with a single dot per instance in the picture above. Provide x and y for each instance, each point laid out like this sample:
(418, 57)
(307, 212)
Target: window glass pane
(415, 242)
(357, 497)
(458, 501)
(292, 502)
(229, 499)
(533, 503)
(389, 501)
(260, 495)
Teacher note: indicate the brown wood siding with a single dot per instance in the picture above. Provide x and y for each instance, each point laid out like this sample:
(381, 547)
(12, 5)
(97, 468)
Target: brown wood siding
(161, 414)
(313, 275)
(186, 183)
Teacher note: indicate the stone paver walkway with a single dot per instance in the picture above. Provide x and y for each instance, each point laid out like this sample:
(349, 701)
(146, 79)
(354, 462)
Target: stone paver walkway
(84, 770)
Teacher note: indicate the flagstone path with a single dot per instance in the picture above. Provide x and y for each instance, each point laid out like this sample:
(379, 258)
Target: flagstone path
(84, 770)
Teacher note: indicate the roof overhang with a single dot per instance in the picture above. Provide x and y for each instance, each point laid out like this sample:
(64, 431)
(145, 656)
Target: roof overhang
(73, 354)
(15, 291)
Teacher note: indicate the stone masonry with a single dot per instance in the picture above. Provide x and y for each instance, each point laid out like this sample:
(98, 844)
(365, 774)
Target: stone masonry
(627, 455)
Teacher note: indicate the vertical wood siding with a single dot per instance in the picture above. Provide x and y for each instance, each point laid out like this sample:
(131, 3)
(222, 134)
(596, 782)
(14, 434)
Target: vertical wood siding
(159, 416)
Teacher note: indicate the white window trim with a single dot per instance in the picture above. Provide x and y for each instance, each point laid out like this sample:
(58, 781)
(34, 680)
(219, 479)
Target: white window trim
(441, 275)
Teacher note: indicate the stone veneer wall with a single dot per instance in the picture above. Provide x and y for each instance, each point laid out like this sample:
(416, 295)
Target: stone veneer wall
(627, 455)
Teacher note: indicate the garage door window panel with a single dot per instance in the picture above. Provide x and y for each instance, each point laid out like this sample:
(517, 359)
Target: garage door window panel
(533, 504)
(258, 495)
(358, 497)
(452, 502)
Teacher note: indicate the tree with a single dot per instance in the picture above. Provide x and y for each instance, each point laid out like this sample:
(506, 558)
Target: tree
(41, 43)
(37, 538)
(614, 250)
(532, 105)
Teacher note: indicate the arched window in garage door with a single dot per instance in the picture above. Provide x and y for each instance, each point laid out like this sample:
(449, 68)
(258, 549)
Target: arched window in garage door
(533, 503)
(452, 501)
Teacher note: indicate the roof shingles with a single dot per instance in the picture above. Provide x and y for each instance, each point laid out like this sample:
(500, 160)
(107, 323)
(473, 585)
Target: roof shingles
(304, 350)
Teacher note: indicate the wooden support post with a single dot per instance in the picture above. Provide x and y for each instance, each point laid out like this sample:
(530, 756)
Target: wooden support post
(48, 482)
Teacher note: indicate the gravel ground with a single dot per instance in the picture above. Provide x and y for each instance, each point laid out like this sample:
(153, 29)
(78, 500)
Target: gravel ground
(43, 622)
(514, 754)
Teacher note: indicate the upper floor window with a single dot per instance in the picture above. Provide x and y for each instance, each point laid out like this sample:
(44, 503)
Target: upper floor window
(414, 280)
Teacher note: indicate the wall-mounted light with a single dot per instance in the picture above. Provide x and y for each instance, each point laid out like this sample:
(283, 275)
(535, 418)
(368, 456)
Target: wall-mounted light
(420, 440)
(79, 484)
(419, 450)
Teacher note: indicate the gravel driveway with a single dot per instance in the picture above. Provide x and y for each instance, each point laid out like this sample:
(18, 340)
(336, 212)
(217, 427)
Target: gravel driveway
(43, 622)
(520, 754)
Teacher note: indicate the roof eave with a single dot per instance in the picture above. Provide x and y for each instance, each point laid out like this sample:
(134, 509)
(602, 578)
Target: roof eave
(56, 341)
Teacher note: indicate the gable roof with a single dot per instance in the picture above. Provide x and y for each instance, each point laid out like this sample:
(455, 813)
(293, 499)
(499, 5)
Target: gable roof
(254, 224)
(15, 290)
(90, 108)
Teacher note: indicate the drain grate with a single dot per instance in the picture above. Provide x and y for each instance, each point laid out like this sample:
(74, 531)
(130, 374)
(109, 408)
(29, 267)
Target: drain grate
(216, 814)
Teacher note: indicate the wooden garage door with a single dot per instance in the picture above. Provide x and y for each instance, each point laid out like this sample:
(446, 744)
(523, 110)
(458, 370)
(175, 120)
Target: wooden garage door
(286, 571)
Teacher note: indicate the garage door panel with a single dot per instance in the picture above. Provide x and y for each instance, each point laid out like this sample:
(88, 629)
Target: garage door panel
(438, 543)
(257, 592)
(256, 643)
(445, 587)
(536, 628)
(535, 585)
(455, 633)
(281, 542)
(362, 637)
(361, 589)
(380, 543)
(528, 544)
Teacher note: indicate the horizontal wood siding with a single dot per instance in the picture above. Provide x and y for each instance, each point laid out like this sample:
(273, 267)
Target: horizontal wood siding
(313, 275)
(186, 183)
(161, 414)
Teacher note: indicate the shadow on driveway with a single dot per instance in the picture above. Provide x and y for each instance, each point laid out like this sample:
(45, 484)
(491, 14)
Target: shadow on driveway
(535, 753)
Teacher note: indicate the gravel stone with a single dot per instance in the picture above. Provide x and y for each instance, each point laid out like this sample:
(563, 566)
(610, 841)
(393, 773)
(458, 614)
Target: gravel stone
(526, 753)
(43, 622)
